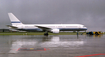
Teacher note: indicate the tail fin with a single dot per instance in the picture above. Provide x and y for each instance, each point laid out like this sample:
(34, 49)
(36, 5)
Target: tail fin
(14, 20)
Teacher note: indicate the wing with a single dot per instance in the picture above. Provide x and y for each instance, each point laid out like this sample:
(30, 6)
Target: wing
(42, 27)
(11, 26)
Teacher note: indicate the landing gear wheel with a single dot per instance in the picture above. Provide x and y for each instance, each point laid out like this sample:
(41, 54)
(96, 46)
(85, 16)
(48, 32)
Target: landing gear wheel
(45, 34)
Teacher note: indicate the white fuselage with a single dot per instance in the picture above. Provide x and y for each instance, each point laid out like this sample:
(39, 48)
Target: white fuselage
(32, 26)
(61, 27)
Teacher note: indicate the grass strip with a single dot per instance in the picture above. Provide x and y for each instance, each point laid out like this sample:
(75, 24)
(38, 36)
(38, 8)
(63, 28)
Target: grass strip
(40, 33)
(36, 33)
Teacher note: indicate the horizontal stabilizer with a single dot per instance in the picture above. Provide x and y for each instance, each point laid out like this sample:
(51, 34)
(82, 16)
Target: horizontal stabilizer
(11, 26)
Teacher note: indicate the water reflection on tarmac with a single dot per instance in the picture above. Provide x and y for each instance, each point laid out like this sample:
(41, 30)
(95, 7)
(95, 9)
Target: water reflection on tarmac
(51, 46)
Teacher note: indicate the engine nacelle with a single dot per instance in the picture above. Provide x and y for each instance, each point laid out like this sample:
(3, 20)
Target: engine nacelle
(55, 30)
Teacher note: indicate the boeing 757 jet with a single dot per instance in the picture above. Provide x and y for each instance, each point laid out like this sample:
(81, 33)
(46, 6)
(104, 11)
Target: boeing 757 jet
(53, 28)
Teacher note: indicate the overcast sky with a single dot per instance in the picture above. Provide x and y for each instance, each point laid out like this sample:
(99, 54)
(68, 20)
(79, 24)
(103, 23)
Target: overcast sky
(90, 13)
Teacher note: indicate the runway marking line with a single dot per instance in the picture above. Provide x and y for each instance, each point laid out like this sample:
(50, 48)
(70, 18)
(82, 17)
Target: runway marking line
(31, 49)
(91, 55)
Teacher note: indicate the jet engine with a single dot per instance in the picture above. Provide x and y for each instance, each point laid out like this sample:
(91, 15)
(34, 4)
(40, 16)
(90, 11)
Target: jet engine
(55, 30)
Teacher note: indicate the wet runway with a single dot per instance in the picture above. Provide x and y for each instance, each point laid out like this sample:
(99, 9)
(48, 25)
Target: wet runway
(51, 46)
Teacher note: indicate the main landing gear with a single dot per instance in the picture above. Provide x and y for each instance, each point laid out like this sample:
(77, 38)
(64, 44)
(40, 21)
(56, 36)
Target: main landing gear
(46, 34)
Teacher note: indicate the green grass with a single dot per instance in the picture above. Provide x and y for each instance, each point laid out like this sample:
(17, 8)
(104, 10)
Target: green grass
(36, 33)
(39, 33)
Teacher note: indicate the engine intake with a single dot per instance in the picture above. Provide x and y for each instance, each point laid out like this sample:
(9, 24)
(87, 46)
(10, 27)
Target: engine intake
(55, 30)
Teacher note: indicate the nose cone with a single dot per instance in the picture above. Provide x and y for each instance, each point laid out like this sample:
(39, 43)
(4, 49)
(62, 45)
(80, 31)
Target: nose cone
(85, 28)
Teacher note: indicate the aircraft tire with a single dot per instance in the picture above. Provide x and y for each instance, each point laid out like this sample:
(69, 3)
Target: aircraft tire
(46, 34)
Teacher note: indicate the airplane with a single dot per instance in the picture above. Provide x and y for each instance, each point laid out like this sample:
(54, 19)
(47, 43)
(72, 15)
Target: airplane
(53, 28)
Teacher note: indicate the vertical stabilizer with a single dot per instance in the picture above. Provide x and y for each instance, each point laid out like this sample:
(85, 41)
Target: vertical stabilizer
(14, 20)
